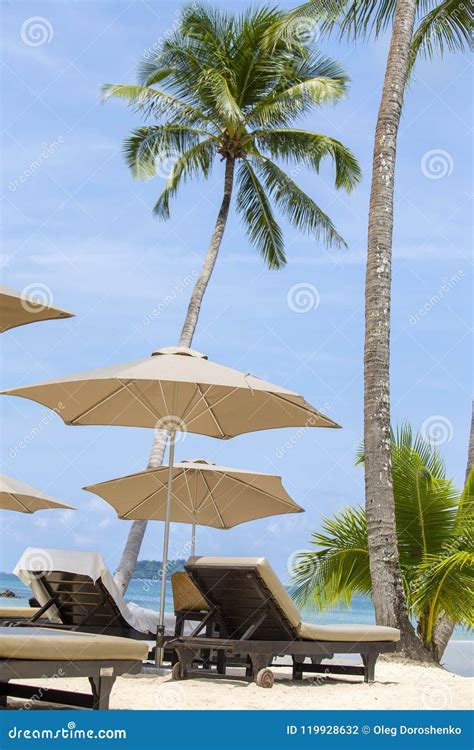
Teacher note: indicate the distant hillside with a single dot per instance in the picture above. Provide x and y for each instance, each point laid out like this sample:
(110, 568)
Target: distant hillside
(152, 568)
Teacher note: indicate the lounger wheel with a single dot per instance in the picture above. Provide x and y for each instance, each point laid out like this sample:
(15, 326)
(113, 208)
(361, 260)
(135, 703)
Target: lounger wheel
(265, 678)
(178, 673)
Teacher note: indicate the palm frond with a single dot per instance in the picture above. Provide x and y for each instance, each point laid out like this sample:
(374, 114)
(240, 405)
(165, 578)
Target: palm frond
(255, 209)
(448, 26)
(197, 160)
(446, 584)
(150, 101)
(148, 145)
(309, 149)
(296, 205)
(339, 567)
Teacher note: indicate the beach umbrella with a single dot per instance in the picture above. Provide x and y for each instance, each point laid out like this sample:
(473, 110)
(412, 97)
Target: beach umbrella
(19, 308)
(19, 496)
(203, 494)
(176, 389)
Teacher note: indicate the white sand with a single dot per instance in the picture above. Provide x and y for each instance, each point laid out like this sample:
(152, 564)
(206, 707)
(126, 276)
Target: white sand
(398, 686)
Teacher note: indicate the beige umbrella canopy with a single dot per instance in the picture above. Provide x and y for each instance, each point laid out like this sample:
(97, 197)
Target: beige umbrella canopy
(18, 309)
(16, 495)
(203, 494)
(175, 389)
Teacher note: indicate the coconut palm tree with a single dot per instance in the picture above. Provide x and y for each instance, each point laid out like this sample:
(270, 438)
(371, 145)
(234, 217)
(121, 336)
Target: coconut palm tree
(215, 94)
(434, 534)
(418, 28)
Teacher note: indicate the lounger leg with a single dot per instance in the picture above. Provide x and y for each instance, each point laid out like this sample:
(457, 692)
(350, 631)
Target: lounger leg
(298, 667)
(369, 661)
(101, 688)
(3, 693)
(258, 661)
(221, 662)
(249, 668)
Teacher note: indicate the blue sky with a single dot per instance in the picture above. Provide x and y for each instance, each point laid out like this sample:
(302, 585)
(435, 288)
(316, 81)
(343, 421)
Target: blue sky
(79, 228)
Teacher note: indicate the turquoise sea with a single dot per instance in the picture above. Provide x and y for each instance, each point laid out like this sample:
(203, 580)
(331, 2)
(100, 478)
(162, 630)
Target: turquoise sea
(459, 656)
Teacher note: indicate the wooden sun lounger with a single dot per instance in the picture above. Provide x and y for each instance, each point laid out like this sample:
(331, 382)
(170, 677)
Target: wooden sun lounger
(256, 618)
(36, 653)
(7, 614)
(82, 604)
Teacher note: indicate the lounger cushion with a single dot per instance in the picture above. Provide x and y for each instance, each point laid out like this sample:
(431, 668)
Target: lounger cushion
(47, 644)
(17, 613)
(266, 573)
(364, 633)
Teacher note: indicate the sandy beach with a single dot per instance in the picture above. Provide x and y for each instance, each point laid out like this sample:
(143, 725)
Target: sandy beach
(398, 686)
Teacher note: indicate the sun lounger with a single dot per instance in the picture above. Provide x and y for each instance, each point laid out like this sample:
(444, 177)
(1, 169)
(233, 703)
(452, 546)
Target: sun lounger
(256, 618)
(17, 613)
(36, 653)
(75, 590)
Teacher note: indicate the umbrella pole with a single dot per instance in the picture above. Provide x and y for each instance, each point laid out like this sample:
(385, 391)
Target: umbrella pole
(193, 535)
(159, 651)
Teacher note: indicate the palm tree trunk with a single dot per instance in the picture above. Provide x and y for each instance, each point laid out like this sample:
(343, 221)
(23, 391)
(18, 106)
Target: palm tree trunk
(444, 628)
(131, 551)
(388, 594)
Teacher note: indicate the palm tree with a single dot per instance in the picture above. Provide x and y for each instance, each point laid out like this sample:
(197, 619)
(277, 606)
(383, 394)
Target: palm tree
(439, 27)
(223, 96)
(434, 533)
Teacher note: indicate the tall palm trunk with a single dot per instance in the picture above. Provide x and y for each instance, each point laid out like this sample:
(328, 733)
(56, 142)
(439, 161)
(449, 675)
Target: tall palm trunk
(444, 628)
(131, 551)
(388, 594)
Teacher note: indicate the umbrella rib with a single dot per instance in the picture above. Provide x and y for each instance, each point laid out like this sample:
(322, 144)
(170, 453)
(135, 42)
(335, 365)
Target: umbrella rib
(149, 497)
(302, 408)
(202, 397)
(22, 505)
(222, 476)
(185, 473)
(99, 403)
(213, 501)
(164, 398)
(290, 503)
(211, 412)
(141, 400)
